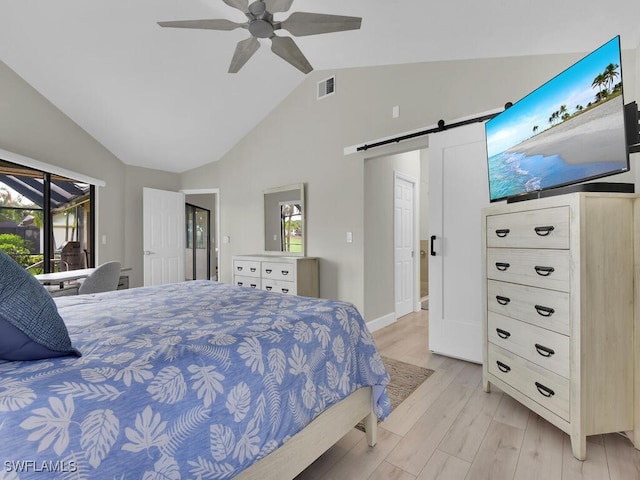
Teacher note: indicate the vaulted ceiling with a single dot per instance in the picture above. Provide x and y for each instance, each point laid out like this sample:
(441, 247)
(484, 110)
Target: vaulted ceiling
(162, 98)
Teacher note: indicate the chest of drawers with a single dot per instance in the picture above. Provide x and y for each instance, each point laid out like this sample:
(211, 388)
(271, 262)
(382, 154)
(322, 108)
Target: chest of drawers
(558, 280)
(288, 275)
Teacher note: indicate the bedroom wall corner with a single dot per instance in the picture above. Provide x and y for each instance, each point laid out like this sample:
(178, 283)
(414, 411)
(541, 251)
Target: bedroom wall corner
(30, 125)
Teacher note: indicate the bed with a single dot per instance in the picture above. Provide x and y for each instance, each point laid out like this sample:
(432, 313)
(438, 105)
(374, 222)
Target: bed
(198, 380)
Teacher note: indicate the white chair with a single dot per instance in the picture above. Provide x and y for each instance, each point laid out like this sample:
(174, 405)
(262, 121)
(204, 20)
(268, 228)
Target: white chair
(103, 279)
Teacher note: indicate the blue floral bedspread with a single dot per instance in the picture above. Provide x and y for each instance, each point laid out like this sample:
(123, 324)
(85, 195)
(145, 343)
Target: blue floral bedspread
(191, 380)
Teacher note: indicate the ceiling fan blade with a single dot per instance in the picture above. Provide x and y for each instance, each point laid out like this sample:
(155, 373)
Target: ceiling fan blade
(242, 5)
(244, 51)
(215, 24)
(275, 6)
(287, 49)
(300, 24)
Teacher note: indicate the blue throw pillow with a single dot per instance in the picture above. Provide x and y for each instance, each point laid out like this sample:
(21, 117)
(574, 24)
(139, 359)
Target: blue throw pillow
(30, 326)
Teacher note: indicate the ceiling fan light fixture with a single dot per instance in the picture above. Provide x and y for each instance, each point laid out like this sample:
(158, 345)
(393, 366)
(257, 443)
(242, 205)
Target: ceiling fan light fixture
(260, 24)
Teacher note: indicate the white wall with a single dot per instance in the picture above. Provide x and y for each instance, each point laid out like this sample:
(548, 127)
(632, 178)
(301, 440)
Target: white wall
(32, 126)
(303, 140)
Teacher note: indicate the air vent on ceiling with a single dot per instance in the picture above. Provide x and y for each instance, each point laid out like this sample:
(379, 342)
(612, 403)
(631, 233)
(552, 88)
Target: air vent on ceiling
(327, 87)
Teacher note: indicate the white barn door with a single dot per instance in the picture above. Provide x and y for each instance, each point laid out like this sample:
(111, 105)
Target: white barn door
(458, 189)
(164, 236)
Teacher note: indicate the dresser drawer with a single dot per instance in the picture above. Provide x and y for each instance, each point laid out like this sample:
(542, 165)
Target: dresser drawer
(244, 281)
(540, 385)
(543, 228)
(546, 308)
(542, 347)
(246, 268)
(538, 268)
(279, 271)
(279, 286)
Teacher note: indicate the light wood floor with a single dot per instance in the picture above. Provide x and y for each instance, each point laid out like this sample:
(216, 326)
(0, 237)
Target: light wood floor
(450, 429)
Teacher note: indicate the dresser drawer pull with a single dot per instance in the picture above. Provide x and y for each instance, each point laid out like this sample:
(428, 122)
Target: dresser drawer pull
(544, 231)
(544, 351)
(268, 270)
(285, 272)
(239, 284)
(269, 288)
(285, 290)
(239, 269)
(502, 300)
(544, 311)
(253, 285)
(253, 269)
(502, 232)
(503, 333)
(502, 266)
(503, 367)
(544, 271)
(546, 391)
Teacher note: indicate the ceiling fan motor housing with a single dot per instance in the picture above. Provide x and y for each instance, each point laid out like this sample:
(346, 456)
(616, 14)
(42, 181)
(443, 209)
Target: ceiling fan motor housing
(261, 23)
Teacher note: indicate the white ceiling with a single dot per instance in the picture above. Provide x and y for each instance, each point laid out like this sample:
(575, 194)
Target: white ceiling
(162, 98)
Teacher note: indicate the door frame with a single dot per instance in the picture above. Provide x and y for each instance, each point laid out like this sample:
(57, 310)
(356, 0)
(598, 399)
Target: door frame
(415, 287)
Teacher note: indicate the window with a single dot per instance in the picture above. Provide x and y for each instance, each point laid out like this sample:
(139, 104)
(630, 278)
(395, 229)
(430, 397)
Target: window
(46, 216)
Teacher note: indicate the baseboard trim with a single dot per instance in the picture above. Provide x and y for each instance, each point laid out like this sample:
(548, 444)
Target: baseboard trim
(381, 322)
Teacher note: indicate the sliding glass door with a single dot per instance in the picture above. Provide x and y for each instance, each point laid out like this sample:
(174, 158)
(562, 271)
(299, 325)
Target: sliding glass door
(198, 251)
(45, 216)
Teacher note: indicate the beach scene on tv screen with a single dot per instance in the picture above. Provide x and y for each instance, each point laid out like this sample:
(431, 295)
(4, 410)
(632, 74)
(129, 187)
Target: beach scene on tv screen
(570, 129)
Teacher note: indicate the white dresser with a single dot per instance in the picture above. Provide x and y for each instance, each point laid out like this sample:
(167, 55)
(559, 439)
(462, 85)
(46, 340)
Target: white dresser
(289, 275)
(559, 310)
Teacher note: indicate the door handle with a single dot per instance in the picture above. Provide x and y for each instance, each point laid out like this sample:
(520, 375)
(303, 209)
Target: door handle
(433, 240)
(147, 252)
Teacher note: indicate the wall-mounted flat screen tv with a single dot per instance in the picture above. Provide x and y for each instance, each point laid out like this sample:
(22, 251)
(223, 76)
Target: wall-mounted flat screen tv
(569, 130)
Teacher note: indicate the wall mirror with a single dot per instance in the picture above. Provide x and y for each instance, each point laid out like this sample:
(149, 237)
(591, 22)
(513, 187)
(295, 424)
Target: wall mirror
(284, 220)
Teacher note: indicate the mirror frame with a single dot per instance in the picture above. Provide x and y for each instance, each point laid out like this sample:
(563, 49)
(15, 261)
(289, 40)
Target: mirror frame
(299, 187)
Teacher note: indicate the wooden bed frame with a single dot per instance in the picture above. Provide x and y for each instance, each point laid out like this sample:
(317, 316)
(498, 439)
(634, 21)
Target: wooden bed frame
(316, 438)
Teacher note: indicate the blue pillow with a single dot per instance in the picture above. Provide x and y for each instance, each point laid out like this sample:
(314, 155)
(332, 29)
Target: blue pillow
(30, 326)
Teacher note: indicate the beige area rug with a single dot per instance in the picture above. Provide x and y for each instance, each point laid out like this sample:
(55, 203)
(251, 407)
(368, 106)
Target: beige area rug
(405, 378)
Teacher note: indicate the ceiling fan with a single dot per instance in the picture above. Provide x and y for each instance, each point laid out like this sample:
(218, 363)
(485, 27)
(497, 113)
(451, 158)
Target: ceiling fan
(262, 25)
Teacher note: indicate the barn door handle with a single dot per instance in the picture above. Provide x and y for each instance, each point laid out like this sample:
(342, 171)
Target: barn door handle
(433, 251)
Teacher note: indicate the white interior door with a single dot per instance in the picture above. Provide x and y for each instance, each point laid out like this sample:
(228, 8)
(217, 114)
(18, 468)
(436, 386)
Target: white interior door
(458, 189)
(404, 244)
(164, 236)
